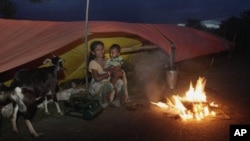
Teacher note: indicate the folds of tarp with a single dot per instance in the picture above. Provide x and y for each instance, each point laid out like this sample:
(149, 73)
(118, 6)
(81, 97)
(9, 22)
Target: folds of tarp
(191, 43)
(23, 41)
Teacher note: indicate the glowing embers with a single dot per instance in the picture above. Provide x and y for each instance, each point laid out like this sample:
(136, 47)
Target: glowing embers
(191, 106)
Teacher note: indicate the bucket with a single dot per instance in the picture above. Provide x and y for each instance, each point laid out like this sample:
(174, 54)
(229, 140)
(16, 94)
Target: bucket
(172, 78)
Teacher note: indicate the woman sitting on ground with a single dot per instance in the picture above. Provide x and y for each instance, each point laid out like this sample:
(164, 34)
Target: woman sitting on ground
(100, 86)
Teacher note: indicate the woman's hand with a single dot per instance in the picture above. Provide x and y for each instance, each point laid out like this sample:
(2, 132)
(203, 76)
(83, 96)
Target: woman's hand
(99, 77)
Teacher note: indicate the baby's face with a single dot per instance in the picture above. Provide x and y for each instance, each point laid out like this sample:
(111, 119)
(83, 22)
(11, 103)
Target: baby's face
(114, 53)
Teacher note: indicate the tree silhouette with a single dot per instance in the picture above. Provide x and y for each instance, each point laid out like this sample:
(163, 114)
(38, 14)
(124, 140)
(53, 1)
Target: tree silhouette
(194, 23)
(230, 28)
(237, 29)
(245, 29)
(38, 1)
(8, 9)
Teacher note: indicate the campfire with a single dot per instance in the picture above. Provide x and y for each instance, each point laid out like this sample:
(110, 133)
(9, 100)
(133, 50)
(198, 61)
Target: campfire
(193, 105)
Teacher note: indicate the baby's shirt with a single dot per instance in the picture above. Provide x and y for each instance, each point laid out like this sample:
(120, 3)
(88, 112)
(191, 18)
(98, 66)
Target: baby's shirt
(114, 62)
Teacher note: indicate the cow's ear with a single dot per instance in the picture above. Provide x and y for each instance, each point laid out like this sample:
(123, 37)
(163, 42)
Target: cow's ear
(47, 61)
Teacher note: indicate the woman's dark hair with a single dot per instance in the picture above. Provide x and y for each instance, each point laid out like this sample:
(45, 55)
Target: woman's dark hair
(115, 46)
(93, 46)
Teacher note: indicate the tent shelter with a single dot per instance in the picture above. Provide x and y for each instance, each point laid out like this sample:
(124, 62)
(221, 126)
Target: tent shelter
(27, 43)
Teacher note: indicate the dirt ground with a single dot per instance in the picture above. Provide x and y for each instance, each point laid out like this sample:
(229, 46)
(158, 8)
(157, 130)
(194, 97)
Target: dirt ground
(227, 85)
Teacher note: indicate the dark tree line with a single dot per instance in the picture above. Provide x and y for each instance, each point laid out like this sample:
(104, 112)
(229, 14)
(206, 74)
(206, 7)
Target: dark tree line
(237, 29)
(234, 29)
(8, 8)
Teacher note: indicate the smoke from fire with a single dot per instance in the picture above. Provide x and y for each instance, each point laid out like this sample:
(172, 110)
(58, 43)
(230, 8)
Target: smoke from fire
(150, 70)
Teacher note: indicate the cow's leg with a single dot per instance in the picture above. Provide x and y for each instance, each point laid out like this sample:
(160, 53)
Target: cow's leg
(14, 119)
(55, 100)
(45, 102)
(31, 129)
(58, 108)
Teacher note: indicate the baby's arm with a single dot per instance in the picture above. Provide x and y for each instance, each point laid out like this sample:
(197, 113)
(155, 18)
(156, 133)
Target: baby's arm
(110, 68)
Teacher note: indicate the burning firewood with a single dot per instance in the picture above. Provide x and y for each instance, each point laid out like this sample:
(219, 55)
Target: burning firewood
(193, 105)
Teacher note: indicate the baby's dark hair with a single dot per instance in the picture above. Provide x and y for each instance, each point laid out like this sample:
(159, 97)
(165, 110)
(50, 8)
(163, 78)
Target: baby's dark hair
(93, 46)
(115, 46)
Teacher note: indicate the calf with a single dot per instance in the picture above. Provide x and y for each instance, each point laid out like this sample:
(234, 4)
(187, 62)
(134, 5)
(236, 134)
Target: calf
(9, 101)
(5, 99)
(30, 101)
(33, 86)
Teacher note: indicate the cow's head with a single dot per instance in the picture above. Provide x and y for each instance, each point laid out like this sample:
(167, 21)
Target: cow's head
(55, 61)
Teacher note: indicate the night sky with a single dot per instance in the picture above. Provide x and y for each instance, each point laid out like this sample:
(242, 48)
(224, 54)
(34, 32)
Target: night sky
(141, 11)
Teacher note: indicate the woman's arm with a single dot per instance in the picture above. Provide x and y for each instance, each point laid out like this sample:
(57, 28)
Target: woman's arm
(99, 77)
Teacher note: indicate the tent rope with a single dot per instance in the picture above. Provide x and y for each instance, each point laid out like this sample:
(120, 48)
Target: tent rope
(86, 45)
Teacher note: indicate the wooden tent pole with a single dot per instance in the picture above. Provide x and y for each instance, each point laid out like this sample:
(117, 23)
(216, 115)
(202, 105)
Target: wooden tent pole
(172, 56)
(86, 45)
(172, 49)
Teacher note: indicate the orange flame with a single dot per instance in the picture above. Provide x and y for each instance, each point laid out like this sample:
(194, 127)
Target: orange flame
(193, 105)
(161, 104)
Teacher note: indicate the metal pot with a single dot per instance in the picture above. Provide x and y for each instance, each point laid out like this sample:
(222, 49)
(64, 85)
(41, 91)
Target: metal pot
(172, 78)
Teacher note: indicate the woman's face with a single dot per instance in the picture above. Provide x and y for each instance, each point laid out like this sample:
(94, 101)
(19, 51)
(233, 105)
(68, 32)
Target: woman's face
(99, 51)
